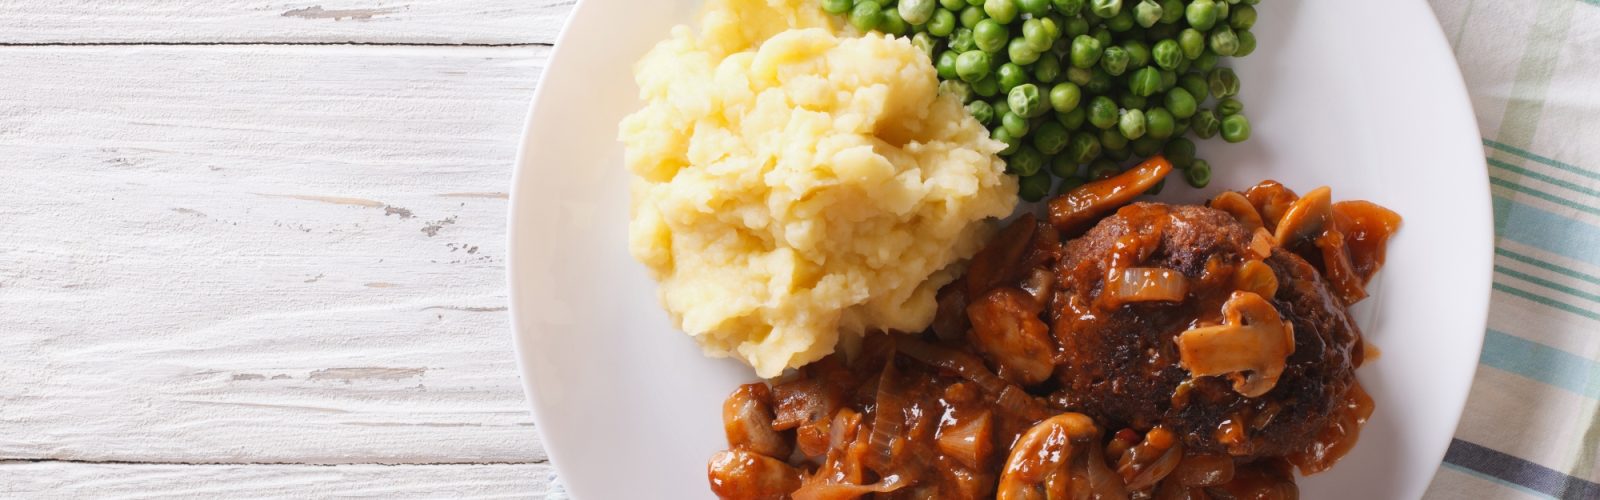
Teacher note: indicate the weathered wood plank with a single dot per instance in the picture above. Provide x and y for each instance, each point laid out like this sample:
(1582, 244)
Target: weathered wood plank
(79, 480)
(259, 254)
(294, 21)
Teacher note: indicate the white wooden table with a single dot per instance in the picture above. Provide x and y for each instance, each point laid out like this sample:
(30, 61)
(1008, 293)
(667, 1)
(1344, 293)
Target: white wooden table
(255, 248)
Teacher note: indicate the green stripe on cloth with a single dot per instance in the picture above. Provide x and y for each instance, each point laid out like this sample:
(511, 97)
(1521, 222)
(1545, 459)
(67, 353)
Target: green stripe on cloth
(1544, 178)
(1526, 155)
(1548, 266)
(1543, 363)
(1520, 122)
(1547, 284)
(1540, 299)
(1543, 195)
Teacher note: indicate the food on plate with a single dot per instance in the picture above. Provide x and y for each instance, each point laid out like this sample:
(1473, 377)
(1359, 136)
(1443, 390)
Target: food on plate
(1114, 349)
(1076, 87)
(792, 185)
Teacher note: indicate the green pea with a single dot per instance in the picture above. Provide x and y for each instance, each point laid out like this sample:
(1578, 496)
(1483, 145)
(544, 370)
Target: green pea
(1064, 97)
(953, 5)
(1224, 41)
(1025, 161)
(1132, 124)
(1180, 152)
(1159, 123)
(1117, 155)
(1115, 60)
(1015, 123)
(1105, 8)
(1138, 54)
(1192, 42)
(971, 16)
(1166, 54)
(1202, 14)
(1147, 146)
(1169, 79)
(982, 111)
(1198, 174)
(1112, 139)
(1196, 85)
(1223, 82)
(1072, 120)
(1145, 82)
(1235, 128)
(1128, 100)
(1086, 51)
(975, 3)
(917, 11)
(987, 87)
(1035, 8)
(1037, 36)
(1230, 106)
(1000, 107)
(972, 65)
(1180, 103)
(1099, 83)
(990, 35)
(1180, 126)
(924, 42)
(1084, 148)
(1076, 27)
(1183, 65)
(867, 15)
(1222, 12)
(945, 65)
(837, 6)
(1050, 137)
(1103, 169)
(1026, 100)
(1121, 22)
(1004, 11)
(956, 88)
(1064, 167)
(1242, 18)
(1012, 142)
(1171, 11)
(1068, 7)
(942, 24)
(1161, 31)
(1205, 124)
(1206, 62)
(1035, 187)
(1102, 112)
(1079, 76)
(1019, 51)
(961, 41)
(1103, 35)
(1011, 75)
(1047, 70)
(1147, 13)
(1247, 43)
(891, 22)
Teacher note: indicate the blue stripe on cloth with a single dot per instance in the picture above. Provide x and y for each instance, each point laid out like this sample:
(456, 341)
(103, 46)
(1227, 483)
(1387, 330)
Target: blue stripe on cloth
(1542, 363)
(1538, 478)
(1534, 227)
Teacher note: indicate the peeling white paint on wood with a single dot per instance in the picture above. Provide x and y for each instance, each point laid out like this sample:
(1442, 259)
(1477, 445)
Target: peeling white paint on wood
(282, 261)
(283, 21)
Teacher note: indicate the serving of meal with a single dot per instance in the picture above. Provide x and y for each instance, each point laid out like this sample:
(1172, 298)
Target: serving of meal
(948, 239)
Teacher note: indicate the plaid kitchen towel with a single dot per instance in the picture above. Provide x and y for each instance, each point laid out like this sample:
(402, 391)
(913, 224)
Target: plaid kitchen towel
(1531, 429)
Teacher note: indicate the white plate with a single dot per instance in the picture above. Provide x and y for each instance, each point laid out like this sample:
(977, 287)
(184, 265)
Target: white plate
(629, 408)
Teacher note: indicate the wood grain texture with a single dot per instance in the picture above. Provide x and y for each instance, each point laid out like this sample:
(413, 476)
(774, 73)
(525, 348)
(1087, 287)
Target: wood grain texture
(292, 21)
(259, 255)
(67, 480)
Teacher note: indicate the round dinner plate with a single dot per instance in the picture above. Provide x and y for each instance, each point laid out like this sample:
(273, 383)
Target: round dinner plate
(629, 408)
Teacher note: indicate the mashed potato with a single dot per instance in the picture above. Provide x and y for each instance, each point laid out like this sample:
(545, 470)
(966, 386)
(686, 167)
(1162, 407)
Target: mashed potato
(791, 184)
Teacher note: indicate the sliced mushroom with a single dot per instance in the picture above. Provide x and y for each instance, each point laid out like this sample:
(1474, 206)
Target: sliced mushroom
(1306, 218)
(1256, 277)
(1251, 346)
(1076, 210)
(745, 474)
(1239, 207)
(1271, 200)
(1051, 456)
(747, 421)
(1006, 328)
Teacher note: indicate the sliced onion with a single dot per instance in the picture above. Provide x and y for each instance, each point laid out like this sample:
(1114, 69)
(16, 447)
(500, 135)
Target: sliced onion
(1148, 284)
(968, 440)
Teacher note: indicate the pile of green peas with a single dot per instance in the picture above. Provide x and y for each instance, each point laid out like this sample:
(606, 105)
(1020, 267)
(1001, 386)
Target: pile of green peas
(1078, 88)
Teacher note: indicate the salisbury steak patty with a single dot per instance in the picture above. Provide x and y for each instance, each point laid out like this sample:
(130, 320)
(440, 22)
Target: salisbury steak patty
(1120, 363)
